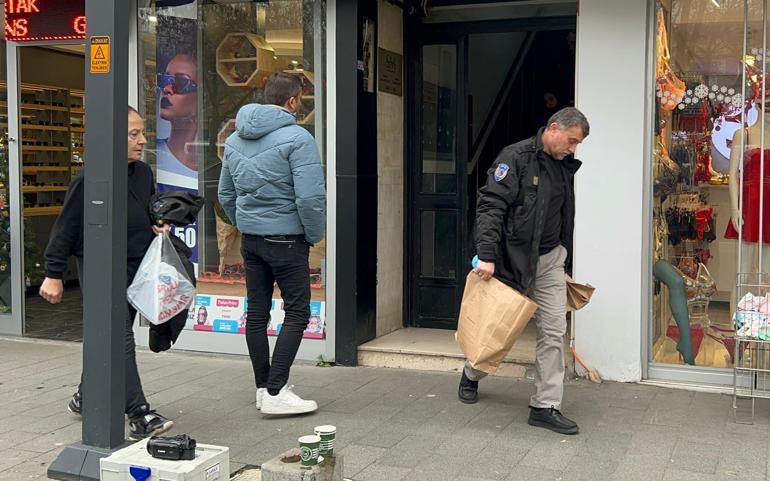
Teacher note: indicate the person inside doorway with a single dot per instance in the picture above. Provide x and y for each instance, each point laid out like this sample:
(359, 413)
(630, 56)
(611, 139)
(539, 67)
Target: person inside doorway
(272, 189)
(179, 106)
(531, 184)
(67, 240)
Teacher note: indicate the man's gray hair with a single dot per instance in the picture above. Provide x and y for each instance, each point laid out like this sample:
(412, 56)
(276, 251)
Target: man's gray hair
(570, 117)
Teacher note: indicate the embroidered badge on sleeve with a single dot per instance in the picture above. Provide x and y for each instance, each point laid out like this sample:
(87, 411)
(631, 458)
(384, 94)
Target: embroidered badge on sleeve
(501, 172)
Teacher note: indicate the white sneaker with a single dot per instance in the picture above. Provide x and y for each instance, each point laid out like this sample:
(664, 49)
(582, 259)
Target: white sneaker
(261, 391)
(286, 402)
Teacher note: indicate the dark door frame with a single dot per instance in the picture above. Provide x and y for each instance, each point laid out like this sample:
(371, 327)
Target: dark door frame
(418, 201)
(419, 34)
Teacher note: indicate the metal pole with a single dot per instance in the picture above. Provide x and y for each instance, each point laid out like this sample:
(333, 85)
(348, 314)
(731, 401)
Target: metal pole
(762, 140)
(15, 196)
(743, 138)
(104, 292)
(105, 231)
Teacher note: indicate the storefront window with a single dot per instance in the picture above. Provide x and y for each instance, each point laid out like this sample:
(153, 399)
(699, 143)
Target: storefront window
(708, 142)
(200, 62)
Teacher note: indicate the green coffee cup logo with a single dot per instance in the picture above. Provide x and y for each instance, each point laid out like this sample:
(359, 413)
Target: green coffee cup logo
(305, 453)
(308, 450)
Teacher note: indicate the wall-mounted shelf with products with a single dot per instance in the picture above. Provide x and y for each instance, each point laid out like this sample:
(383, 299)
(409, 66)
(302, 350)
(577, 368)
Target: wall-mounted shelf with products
(52, 131)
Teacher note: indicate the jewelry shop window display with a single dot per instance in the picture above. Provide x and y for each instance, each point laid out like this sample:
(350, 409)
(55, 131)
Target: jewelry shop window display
(702, 109)
(200, 62)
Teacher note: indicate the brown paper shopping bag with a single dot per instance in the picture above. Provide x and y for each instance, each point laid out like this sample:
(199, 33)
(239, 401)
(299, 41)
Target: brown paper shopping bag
(492, 317)
(578, 294)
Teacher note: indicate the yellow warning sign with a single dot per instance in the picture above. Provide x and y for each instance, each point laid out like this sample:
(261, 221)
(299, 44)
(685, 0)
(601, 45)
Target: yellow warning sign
(100, 54)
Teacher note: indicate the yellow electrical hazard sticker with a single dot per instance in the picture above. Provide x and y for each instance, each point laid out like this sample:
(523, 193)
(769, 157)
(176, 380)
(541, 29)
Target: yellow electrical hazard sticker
(100, 54)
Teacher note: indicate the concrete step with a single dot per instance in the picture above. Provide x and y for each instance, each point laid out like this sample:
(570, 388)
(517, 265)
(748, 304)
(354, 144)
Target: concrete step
(437, 350)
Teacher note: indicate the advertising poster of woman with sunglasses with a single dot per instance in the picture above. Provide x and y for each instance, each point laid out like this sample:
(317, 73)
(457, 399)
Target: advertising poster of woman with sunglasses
(177, 114)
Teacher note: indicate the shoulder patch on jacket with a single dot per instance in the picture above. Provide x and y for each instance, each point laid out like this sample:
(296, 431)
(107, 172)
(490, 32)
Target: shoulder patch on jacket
(501, 172)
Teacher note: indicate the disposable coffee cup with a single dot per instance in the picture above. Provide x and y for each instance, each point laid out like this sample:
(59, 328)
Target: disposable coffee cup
(327, 435)
(308, 450)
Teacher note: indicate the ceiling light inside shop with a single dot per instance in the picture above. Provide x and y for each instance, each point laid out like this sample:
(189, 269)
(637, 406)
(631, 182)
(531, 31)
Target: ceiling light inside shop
(153, 18)
(716, 3)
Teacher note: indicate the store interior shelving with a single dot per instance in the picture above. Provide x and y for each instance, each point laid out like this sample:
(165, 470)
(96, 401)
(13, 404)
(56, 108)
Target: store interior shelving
(52, 143)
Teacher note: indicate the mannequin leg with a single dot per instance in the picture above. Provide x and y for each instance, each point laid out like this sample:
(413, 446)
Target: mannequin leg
(677, 299)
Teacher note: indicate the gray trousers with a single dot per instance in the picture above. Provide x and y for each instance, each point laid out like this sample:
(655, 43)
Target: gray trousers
(550, 293)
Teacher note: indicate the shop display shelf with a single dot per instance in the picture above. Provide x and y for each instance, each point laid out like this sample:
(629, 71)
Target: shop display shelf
(44, 149)
(42, 168)
(239, 59)
(41, 211)
(244, 60)
(227, 129)
(28, 189)
(47, 128)
(76, 111)
(54, 108)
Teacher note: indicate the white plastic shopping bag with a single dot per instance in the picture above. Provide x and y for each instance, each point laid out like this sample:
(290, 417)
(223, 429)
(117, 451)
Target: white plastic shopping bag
(161, 288)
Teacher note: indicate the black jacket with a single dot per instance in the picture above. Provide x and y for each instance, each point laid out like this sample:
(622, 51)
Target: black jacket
(67, 234)
(511, 211)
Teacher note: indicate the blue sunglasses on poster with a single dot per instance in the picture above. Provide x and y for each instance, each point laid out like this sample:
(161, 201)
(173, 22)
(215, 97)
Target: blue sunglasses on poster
(180, 83)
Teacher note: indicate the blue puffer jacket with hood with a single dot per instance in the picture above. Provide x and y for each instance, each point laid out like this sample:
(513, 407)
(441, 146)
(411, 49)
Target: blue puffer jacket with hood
(272, 180)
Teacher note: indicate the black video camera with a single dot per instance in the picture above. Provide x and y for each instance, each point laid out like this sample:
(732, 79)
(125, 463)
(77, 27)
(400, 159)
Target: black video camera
(174, 448)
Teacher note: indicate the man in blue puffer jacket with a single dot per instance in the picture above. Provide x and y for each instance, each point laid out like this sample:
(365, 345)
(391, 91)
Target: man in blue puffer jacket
(272, 188)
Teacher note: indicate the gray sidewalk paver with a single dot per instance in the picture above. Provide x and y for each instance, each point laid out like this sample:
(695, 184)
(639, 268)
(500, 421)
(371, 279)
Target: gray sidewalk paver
(397, 424)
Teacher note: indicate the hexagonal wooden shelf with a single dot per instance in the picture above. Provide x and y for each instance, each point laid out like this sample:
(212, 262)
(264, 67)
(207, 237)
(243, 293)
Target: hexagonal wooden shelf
(227, 129)
(307, 115)
(244, 60)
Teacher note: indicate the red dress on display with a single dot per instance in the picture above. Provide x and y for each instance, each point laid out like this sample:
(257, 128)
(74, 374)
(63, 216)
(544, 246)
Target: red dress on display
(751, 199)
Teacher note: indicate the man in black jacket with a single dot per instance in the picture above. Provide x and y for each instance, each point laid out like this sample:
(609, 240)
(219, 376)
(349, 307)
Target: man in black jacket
(67, 240)
(524, 224)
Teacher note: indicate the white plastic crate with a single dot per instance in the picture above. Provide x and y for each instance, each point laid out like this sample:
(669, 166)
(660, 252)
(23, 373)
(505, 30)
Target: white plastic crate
(211, 463)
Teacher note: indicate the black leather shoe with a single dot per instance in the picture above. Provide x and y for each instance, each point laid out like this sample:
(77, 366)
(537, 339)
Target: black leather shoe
(553, 419)
(468, 392)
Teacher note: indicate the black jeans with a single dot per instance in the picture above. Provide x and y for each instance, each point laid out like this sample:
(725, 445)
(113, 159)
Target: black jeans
(283, 260)
(136, 403)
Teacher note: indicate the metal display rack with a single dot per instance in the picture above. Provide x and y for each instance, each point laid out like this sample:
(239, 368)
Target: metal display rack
(751, 378)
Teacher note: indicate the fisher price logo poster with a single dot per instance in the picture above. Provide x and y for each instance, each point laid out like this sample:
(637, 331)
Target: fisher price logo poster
(228, 314)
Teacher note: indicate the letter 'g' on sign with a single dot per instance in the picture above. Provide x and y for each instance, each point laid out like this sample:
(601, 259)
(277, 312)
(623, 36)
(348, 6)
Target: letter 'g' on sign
(100, 55)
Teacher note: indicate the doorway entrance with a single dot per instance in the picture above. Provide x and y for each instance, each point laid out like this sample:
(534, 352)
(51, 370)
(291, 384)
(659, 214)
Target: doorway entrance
(475, 87)
(51, 131)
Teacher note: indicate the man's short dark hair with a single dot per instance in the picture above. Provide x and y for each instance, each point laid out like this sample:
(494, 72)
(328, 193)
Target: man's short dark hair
(569, 117)
(282, 86)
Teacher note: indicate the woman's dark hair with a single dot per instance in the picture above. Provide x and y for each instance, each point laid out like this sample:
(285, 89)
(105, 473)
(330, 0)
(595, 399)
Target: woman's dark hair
(282, 86)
